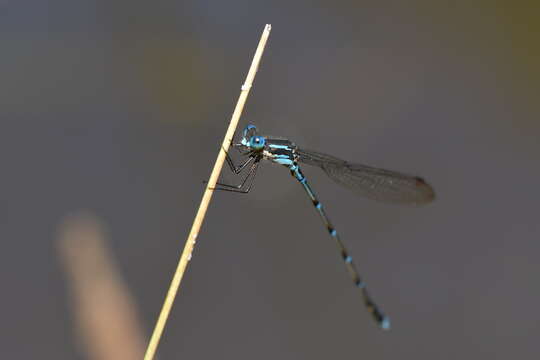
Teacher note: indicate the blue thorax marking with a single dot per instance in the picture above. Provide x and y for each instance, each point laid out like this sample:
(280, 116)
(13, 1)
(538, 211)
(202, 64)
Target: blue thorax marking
(279, 146)
(280, 151)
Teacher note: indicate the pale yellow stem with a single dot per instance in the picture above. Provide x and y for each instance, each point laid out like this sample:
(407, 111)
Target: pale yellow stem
(199, 218)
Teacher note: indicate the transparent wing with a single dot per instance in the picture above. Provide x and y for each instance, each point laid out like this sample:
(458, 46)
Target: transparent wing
(370, 182)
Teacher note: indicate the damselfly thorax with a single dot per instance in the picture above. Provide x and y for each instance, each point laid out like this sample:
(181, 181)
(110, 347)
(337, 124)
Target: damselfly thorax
(280, 151)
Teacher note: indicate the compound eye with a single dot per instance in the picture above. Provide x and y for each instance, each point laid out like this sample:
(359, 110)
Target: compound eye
(257, 142)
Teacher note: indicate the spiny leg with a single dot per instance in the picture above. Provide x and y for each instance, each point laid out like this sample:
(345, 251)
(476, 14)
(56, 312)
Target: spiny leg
(378, 315)
(234, 168)
(238, 188)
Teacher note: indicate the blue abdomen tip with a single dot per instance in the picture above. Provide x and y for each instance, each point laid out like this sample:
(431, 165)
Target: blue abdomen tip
(385, 323)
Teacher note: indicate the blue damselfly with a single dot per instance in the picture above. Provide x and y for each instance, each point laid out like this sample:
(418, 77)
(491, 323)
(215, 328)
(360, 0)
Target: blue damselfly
(378, 184)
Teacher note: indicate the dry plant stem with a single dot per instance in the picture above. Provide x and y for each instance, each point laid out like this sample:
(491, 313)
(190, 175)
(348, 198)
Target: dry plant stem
(188, 248)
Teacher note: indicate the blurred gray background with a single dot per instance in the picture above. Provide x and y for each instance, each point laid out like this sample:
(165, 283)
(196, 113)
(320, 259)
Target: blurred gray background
(119, 108)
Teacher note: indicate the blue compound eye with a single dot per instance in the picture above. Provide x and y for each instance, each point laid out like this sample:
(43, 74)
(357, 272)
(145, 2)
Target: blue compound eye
(249, 131)
(256, 142)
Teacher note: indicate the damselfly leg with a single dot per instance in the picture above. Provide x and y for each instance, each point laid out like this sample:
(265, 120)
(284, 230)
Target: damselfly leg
(237, 169)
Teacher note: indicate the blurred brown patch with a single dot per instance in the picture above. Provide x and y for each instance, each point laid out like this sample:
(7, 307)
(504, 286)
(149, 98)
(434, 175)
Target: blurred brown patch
(104, 312)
